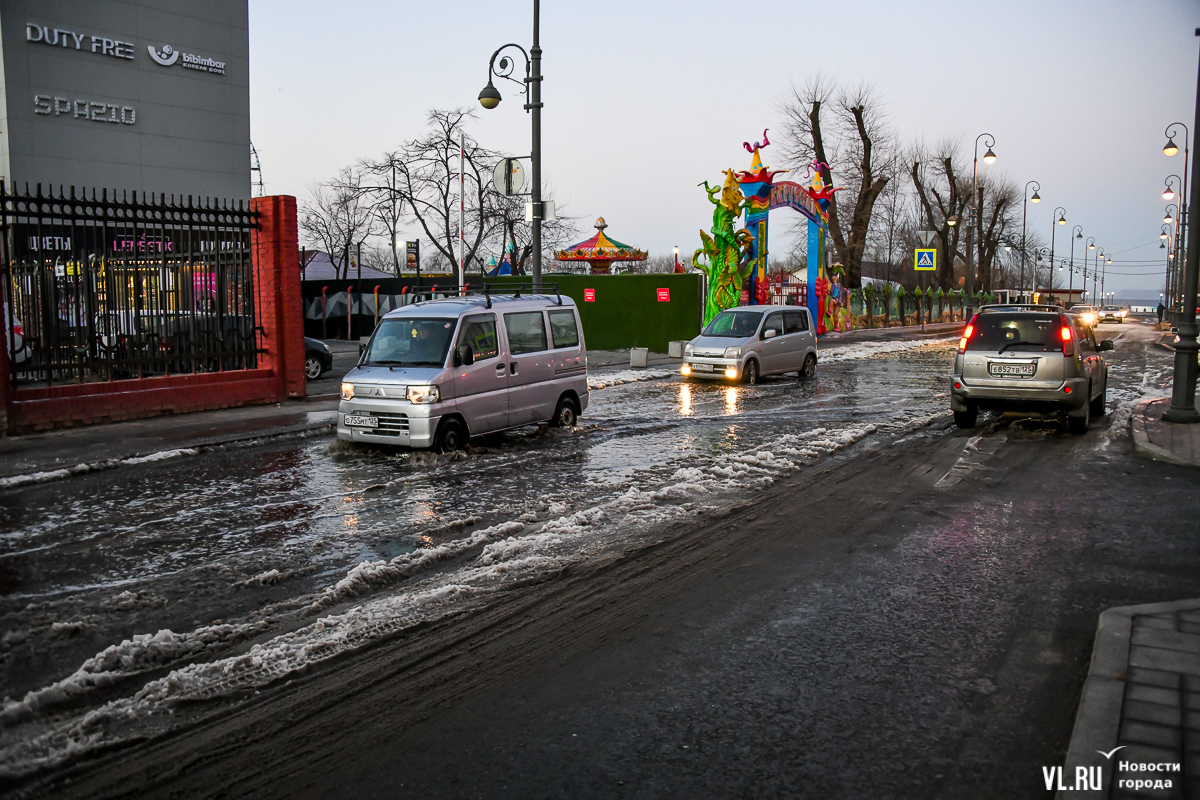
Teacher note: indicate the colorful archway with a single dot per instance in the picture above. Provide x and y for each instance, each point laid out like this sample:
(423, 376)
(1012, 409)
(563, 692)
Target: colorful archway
(763, 194)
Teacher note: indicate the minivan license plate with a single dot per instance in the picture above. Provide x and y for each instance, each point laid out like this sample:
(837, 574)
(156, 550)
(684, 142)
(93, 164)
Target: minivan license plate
(362, 422)
(1001, 368)
(702, 367)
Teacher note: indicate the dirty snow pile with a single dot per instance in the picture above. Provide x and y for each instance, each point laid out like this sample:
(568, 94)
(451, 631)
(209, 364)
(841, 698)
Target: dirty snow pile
(602, 380)
(854, 352)
(490, 561)
(95, 466)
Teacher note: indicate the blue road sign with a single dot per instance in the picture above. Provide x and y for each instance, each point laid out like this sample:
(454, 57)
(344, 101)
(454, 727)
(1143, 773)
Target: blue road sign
(925, 259)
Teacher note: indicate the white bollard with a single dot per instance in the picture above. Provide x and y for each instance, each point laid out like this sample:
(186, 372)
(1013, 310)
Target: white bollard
(639, 356)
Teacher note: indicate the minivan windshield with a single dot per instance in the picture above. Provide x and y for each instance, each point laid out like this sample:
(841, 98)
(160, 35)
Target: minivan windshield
(1013, 332)
(734, 324)
(411, 342)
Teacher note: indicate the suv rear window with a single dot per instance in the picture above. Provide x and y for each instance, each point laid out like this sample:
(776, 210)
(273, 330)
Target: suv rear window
(1016, 332)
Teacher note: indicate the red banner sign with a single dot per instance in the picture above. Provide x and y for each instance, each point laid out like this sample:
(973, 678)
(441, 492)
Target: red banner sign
(589, 295)
(664, 295)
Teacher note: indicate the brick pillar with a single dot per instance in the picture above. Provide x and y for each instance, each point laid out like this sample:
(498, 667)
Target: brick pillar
(277, 275)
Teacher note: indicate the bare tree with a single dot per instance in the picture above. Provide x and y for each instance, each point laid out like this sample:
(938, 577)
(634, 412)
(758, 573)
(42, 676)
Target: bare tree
(382, 182)
(516, 235)
(339, 217)
(943, 197)
(852, 141)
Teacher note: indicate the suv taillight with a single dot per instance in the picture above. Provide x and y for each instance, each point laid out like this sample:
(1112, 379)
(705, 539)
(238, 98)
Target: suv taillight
(1067, 335)
(967, 332)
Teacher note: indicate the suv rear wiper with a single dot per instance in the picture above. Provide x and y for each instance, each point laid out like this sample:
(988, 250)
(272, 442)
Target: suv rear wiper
(1021, 341)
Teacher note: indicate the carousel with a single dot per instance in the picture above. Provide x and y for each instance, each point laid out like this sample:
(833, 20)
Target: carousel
(600, 251)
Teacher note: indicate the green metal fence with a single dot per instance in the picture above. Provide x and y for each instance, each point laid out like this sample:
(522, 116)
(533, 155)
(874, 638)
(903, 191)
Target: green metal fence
(622, 311)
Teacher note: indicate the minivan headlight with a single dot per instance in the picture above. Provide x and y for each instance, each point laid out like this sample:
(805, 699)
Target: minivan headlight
(423, 394)
(688, 349)
(733, 352)
(347, 391)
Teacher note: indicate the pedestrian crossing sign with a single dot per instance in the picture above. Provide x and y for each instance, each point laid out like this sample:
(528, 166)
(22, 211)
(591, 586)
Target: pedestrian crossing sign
(925, 259)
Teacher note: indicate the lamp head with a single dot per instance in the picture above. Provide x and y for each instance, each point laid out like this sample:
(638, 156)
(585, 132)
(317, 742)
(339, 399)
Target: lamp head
(952, 220)
(989, 157)
(1092, 246)
(1168, 219)
(1168, 193)
(1036, 197)
(1079, 235)
(1062, 219)
(489, 98)
(1170, 148)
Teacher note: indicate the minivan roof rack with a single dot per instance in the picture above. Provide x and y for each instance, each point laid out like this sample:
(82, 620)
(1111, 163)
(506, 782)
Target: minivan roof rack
(515, 288)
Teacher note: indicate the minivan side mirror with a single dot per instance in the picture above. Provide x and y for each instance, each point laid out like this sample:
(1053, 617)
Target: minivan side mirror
(464, 355)
(770, 333)
(1106, 344)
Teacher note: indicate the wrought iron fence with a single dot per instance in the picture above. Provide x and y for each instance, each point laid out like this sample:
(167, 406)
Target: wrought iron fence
(103, 287)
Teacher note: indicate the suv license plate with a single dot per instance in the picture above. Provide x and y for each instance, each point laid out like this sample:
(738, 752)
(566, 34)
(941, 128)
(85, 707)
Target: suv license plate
(702, 367)
(362, 422)
(1011, 369)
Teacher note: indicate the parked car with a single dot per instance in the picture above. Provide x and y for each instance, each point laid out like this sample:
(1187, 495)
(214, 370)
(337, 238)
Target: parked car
(438, 372)
(1085, 314)
(1028, 358)
(748, 342)
(1113, 314)
(318, 358)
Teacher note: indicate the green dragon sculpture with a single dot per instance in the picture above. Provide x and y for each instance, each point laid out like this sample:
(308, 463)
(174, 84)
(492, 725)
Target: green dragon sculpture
(728, 252)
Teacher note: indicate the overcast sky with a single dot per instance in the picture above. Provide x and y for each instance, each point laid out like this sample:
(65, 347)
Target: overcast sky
(643, 100)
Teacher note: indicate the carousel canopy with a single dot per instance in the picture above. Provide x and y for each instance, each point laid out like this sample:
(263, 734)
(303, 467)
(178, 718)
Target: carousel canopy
(600, 248)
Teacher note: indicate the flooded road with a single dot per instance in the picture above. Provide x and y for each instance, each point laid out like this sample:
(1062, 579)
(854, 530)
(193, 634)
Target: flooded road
(211, 576)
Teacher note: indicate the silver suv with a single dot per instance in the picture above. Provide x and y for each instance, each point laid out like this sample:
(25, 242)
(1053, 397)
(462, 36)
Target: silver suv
(1029, 358)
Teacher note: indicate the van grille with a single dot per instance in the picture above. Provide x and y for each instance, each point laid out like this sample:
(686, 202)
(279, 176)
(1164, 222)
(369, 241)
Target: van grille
(390, 423)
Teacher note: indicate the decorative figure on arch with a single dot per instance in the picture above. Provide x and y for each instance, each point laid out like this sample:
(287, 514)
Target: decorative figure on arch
(727, 252)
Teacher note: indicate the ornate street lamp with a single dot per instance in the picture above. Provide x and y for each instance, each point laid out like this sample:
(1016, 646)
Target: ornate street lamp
(1062, 220)
(489, 98)
(1025, 208)
(976, 217)
(1077, 233)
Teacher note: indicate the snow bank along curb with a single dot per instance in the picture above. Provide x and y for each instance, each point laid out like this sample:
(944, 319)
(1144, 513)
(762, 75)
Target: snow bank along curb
(1141, 441)
(15, 481)
(1098, 721)
(602, 380)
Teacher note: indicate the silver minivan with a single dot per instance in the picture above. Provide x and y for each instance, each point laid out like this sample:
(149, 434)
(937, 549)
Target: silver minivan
(748, 342)
(438, 372)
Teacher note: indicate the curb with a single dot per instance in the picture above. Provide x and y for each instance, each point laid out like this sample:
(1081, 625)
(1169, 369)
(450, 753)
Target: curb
(1098, 720)
(1141, 441)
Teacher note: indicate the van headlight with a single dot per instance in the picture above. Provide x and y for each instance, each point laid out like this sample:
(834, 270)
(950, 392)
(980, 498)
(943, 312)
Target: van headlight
(347, 391)
(688, 350)
(733, 352)
(423, 394)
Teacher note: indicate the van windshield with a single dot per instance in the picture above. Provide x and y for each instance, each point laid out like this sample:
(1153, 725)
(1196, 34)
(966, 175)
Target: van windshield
(734, 324)
(411, 342)
(1014, 332)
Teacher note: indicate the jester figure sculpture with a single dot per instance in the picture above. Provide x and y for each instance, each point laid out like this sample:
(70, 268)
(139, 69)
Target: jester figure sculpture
(728, 252)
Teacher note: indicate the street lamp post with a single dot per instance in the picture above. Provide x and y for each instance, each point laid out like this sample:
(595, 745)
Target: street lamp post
(1024, 209)
(490, 98)
(988, 158)
(1175, 280)
(1076, 233)
(1090, 245)
(1183, 392)
(1170, 149)
(1104, 273)
(1062, 220)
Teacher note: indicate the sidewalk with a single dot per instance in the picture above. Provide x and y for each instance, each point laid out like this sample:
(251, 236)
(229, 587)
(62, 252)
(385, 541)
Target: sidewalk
(73, 451)
(1163, 441)
(1141, 697)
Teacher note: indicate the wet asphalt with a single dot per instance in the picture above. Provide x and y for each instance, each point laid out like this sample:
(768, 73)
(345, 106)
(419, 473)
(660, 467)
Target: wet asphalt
(912, 618)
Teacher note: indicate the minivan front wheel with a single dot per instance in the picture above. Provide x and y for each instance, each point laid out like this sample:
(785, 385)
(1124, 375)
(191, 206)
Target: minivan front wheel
(450, 436)
(750, 372)
(810, 366)
(565, 416)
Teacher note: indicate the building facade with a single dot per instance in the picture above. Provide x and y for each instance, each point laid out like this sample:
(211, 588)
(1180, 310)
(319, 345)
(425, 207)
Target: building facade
(143, 95)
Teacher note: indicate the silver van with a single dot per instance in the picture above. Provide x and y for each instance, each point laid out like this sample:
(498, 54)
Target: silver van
(438, 372)
(748, 342)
